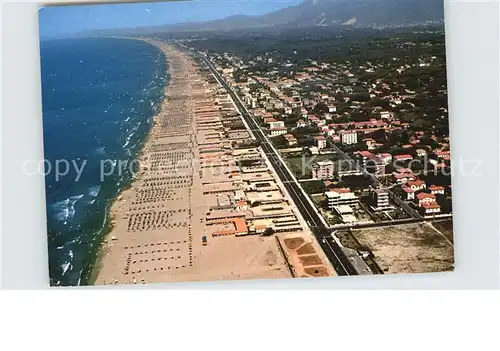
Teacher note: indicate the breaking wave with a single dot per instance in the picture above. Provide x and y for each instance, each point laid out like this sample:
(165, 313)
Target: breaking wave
(64, 210)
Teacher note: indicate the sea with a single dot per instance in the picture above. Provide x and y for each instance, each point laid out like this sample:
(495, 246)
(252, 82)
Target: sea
(99, 97)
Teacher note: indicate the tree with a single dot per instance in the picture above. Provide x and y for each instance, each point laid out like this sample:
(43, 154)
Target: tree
(320, 108)
(358, 117)
(279, 142)
(445, 203)
(356, 181)
(268, 232)
(314, 187)
(361, 97)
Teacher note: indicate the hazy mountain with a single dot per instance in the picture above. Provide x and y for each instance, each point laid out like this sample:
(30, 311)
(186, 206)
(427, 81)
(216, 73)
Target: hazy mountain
(355, 13)
(360, 13)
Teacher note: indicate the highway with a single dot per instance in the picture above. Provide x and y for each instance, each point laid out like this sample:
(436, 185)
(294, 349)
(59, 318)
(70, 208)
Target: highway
(332, 250)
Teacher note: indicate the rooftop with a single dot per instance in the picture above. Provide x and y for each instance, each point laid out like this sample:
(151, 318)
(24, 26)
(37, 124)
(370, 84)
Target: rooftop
(422, 196)
(344, 196)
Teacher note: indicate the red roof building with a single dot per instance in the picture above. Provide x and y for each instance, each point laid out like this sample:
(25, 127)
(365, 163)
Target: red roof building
(424, 198)
(403, 157)
(436, 189)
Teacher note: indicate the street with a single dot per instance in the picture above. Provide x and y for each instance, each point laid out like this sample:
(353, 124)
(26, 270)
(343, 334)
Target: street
(332, 250)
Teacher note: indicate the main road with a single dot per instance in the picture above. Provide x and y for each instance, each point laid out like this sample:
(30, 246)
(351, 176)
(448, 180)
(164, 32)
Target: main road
(332, 250)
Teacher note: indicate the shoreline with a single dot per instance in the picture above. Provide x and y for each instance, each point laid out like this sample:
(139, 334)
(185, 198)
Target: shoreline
(160, 221)
(91, 271)
(193, 212)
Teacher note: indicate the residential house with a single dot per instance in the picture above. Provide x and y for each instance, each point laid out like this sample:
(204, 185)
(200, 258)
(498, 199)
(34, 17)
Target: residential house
(416, 185)
(425, 198)
(404, 157)
(276, 124)
(436, 189)
(409, 192)
(322, 170)
(349, 137)
(430, 208)
(303, 112)
(277, 131)
(386, 157)
(335, 138)
(320, 141)
(370, 143)
(290, 139)
(421, 152)
(403, 178)
(385, 115)
(301, 123)
(443, 154)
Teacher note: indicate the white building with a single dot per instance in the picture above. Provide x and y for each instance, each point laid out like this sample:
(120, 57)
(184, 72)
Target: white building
(430, 208)
(410, 193)
(346, 213)
(349, 137)
(301, 123)
(336, 199)
(276, 124)
(323, 170)
(385, 115)
(434, 189)
(320, 142)
(381, 198)
(278, 131)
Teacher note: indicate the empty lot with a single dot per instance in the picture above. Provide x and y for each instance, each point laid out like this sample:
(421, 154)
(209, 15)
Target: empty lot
(414, 248)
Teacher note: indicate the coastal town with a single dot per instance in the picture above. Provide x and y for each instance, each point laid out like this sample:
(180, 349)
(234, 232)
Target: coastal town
(206, 204)
(367, 140)
(333, 113)
(266, 166)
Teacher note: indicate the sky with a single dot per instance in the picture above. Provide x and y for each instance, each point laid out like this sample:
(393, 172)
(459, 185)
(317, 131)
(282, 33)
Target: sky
(64, 20)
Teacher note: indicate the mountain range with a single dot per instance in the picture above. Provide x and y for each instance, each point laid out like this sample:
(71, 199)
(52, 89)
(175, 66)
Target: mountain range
(324, 13)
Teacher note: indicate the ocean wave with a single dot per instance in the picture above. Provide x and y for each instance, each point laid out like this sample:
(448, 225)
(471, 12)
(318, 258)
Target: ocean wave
(64, 210)
(94, 190)
(133, 131)
(132, 147)
(100, 150)
(65, 266)
(128, 140)
(68, 264)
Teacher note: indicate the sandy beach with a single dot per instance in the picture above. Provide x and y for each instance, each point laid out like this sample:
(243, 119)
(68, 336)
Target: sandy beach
(190, 186)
